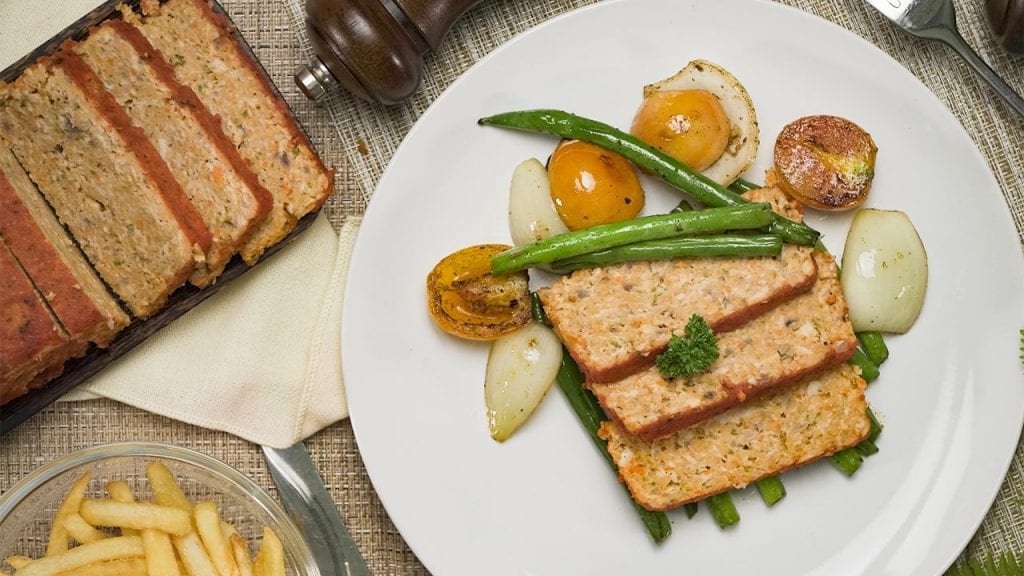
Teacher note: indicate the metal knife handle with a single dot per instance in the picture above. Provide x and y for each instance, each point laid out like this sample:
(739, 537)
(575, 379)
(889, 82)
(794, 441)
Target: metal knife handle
(310, 505)
(953, 38)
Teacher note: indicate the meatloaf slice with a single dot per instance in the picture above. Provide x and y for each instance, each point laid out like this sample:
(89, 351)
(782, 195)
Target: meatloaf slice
(104, 179)
(615, 320)
(206, 58)
(797, 425)
(799, 337)
(190, 140)
(82, 304)
(32, 343)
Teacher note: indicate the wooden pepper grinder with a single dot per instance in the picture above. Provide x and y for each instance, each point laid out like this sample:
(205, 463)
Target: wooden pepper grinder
(374, 48)
(1006, 18)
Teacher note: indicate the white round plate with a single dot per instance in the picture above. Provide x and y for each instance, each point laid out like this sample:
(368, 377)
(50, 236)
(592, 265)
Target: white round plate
(544, 502)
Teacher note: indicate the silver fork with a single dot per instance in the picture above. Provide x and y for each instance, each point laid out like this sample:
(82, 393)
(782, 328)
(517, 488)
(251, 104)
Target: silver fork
(936, 20)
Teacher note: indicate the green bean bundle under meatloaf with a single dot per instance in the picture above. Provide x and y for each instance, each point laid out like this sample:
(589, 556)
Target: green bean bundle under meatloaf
(615, 320)
(104, 179)
(196, 42)
(207, 166)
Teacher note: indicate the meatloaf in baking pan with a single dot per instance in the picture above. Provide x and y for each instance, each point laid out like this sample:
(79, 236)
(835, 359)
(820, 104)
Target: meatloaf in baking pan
(146, 159)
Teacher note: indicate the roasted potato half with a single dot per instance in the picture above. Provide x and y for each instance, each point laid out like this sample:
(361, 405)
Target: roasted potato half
(467, 301)
(825, 162)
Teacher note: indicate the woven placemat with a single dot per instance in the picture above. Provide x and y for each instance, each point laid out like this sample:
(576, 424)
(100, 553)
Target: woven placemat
(358, 139)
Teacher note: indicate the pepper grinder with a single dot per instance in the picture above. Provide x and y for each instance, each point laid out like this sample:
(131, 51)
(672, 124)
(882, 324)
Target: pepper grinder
(373, 48)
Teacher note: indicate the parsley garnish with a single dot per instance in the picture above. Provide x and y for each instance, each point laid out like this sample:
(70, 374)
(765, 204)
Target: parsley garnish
(690, 354)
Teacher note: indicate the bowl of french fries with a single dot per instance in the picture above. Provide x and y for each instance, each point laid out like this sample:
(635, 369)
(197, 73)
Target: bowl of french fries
(146, 508)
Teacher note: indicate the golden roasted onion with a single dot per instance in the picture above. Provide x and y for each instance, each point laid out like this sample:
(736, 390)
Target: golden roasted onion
(467, 301)
(825, 162)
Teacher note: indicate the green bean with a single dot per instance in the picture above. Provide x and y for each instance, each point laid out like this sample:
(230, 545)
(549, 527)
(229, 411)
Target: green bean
(698, 186)
(868, 369)
(682, 247)
(771, 489)
(691, 509)
(578, 242)
(874, 346)
(537, 310)
(570, 381)
(740, 186)
(722, 509)
(848, 461)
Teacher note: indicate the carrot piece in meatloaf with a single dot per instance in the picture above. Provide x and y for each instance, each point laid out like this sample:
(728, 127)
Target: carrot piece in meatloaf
(800, 337)
(190, 140)
(75, 294)
(32, 344)
(205, 57)
(104, 179)
(820, 416)
(615, 320)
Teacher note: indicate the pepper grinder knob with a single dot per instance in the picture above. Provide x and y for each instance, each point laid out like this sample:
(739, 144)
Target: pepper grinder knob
(373, 48)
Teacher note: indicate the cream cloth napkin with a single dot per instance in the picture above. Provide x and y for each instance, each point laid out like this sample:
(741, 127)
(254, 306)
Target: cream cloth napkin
(261, 358)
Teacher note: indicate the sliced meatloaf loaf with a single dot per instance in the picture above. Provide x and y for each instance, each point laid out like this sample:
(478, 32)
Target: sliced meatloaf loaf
(767, 436)
(190, 140)
(33, 346)
(82, 304)
(616, 319)
(792, 341)
(205, 57)
(104, 179)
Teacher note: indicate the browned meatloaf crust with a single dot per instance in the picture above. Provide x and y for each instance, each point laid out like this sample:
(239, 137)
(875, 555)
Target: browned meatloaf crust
(792, 341)
(795, 426)
(104, 179)
(197, 42)
(616, 319)
(190, 140)
(32, 343)
(82, 304)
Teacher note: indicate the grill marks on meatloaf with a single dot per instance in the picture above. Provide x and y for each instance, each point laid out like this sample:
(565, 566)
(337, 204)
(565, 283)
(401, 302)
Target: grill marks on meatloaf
(206, 58)
(71, 288)
(211, 173)
(802, 336)
(767, 436)
(615, 320)
(104, 180)
(31, 339)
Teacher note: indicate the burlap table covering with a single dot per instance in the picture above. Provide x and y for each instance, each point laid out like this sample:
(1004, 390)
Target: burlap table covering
(359, 138)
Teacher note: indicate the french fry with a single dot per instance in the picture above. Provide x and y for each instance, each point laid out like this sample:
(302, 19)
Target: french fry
(17, 561)
(241, 553)
(165, 488)
(82, 531)
(160, 558)
(208, 525)
(227, 529)
(58, 541)
(270, 559)
(106, 549)
(137, 515)
(120, 492)
(190, 549)
(119, 567)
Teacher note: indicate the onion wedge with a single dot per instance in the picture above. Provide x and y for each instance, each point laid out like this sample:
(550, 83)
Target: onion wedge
(531, 215)
(885, 271)
(520, 369)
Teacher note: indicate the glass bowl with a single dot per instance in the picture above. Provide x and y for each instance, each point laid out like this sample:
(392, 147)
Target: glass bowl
(28, 508)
